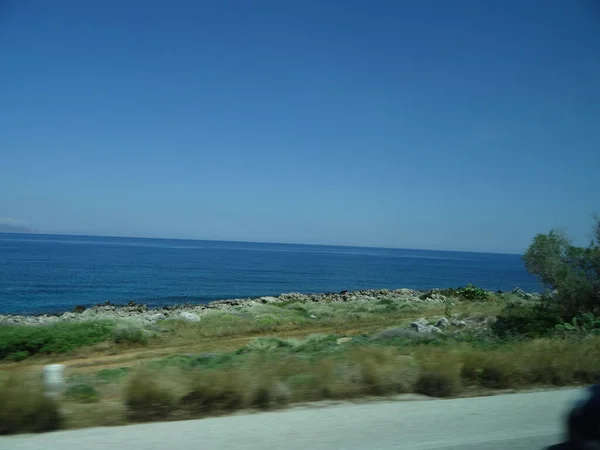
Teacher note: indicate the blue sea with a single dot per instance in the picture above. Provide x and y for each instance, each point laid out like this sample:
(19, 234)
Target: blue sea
(51, 273)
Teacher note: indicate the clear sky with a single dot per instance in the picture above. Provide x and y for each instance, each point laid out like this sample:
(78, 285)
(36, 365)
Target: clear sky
(466, 124)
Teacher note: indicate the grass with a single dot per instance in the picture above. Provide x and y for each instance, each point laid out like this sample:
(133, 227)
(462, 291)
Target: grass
(25, 408)
(270, 373)
(267, 356)
(20, 342)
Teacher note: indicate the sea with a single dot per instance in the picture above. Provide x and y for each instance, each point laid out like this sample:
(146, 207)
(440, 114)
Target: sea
(53, 273)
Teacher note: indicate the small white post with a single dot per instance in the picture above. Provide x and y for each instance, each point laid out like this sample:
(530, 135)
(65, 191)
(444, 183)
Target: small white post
(54, 380)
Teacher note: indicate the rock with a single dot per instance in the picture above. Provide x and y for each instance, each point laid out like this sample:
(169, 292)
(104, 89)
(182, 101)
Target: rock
(419, 322)
(521, 293)
(442, 322)
(426, 329)
(458, 323)
(152, 318)
(268, 299)
(313, 317)
(343, 340)
(188, 316)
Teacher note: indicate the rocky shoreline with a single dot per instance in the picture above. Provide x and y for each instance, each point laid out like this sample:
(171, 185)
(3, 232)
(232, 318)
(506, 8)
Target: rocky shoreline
(193, 312)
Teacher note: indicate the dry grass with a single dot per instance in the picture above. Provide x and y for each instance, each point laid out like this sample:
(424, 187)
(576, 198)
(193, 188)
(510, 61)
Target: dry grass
(147, 398)
(25, 408)
(439, 372)
(271, 373)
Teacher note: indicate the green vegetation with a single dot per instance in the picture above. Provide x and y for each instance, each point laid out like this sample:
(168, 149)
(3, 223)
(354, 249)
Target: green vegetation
(82, 393)
(571, 276)
(146, 398)
(572, 273)
(24, 408)
(19, 342)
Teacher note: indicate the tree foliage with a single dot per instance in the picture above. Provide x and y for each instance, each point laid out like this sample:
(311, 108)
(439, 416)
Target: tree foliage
(572, 273)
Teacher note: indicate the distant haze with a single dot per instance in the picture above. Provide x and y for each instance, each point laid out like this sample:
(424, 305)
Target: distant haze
(13, 226)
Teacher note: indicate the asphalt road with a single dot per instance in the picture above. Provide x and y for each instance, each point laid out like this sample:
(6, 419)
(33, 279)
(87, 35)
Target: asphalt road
(514, 421)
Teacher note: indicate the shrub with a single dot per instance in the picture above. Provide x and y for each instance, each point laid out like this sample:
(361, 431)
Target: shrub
(439, 374)
(25, 408)
(573, 272)
(586, 323)
(265, 344)
(316, 343)
(211, 391)
(146, 399)
(266, 393)
(23, 340)
(472, 293)
(82, 393)
(492, 369)
(128, 334)
(381, 370)
(527, 321)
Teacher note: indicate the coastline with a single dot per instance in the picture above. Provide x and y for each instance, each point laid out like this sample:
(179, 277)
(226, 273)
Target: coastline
(145, 315)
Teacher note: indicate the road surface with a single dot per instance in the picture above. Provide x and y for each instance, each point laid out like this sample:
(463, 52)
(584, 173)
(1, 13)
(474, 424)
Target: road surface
(513, 421)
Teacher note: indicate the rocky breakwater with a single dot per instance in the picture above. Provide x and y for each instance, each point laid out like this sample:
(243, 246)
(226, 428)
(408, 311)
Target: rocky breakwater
(144, 315)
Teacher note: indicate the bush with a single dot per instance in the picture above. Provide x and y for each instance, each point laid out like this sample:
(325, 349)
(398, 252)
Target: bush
(262, 344)
(492, 369)
(523, 320)
(472, 293)
(214, 391)
(146, 399)
(128, 334)
(439, 374)
(572, 272)
(24, 408)
(381, 370)
(265, 394)
(24, 340)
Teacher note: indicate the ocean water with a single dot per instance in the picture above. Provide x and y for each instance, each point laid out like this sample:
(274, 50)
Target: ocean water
(49, 273)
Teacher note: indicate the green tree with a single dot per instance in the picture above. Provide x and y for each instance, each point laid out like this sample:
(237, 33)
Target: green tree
(571, 272)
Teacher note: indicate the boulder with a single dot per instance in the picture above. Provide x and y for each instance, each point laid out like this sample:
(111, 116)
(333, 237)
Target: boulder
(458, 323)
(421, 322)
(268, 299)
(422, 326)
(189, 317)
(442, 322)
(343, 340)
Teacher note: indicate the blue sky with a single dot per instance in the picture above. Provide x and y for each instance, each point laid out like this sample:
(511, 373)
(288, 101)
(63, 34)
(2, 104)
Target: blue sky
(464, 125)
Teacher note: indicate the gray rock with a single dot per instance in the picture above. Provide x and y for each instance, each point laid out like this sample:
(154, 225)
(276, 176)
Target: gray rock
(442, 322)
(458, 323)
(189, 317)
(421, 322)
(268, 299)
(420, 328)
(343, 340)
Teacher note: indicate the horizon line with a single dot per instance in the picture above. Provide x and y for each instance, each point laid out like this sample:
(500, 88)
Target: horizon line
(34, 232)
